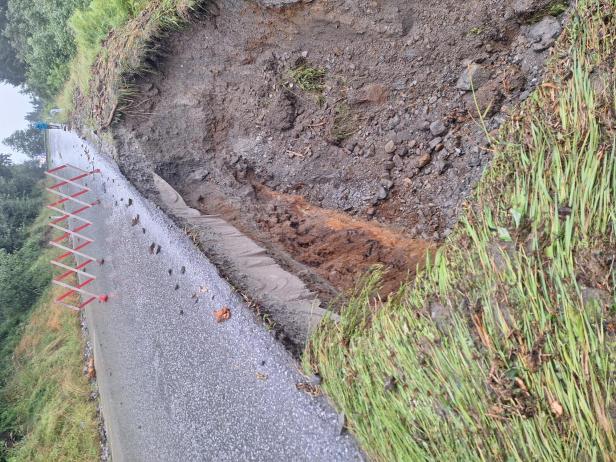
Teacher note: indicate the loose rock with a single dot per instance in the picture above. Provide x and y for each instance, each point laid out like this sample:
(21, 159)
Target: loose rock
(437, 128)
(544, 33)
(472, 77)
(423, 160)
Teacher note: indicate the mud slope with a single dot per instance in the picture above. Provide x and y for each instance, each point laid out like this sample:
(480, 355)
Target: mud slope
(339, 133)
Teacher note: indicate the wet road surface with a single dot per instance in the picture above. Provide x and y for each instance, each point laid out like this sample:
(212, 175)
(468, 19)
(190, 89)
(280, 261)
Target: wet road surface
(176, 385)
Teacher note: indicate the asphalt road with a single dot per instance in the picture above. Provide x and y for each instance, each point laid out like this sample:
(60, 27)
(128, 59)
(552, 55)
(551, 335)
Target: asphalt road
(175, 385)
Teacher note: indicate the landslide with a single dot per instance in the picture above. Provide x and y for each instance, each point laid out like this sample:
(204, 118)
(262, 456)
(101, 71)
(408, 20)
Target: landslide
(344, 133)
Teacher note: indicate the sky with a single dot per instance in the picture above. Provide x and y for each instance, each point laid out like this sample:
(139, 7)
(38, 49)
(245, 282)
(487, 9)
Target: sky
(13, 109)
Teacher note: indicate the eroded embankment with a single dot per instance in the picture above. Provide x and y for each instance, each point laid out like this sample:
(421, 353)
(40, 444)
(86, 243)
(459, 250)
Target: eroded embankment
(340, 133)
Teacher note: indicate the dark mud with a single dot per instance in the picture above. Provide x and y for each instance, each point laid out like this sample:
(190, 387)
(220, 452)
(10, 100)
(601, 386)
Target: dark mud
(370, 165)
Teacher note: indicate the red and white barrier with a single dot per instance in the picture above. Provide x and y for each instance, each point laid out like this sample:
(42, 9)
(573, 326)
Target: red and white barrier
(72, 242)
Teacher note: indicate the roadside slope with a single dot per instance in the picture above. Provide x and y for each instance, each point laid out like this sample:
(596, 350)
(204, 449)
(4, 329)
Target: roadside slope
(504, 348)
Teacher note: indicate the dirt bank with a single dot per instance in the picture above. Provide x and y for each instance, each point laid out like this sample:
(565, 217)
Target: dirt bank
(343, 133)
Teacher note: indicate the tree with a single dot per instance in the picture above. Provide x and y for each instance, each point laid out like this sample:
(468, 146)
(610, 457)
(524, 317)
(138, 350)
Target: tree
(5, 165)
(37, 109)
(39, 34)
(12, 69)
(30, 142)
(20, 198)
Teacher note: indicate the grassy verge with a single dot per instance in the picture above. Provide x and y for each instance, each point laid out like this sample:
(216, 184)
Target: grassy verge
(115, 41)
(503, 348)
(45, 411)
(48, 395)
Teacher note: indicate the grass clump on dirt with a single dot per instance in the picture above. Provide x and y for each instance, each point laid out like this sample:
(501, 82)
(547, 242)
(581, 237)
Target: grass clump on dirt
(503, 348)
(308, 78)
(344, 123)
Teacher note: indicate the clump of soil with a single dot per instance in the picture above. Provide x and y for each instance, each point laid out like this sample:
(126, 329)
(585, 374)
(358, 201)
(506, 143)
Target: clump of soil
(344, 132)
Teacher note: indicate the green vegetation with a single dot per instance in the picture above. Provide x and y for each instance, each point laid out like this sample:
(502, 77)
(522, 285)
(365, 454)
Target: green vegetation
(45, 412)
(24, 275)
(44, 409)
(308, 78)
(344, 124)
(20, 201)
(503, 349)
(91, 26)
(56, 47)
(30, 142)
(40, 41)
(555, 8)
(46, 401)
(12, 70)
(131, 30)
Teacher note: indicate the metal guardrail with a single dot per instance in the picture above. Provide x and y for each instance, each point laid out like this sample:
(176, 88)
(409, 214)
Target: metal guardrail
(72, 241)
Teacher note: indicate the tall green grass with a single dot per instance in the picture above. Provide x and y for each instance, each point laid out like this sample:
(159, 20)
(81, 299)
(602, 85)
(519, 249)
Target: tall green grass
(90, 28)
(46, 402)
(114, 40)
(503, 349)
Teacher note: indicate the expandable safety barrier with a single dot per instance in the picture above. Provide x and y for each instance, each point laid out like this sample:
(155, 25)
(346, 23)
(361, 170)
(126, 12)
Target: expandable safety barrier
(72, 241)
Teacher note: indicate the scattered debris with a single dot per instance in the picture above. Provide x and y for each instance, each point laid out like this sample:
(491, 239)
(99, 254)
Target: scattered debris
(261, 376)
(91, 370)
(390, 384)
(556, 408)
(341, 423)
(308, 388)
(222, 314)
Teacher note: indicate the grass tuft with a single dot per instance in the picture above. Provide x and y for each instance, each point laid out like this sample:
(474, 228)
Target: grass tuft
(344, 124)
(308, 78)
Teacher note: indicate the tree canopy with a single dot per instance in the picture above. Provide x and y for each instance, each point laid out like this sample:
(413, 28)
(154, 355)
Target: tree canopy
(30, 142)
(20, 200)
(37, 44)
(12, 69)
